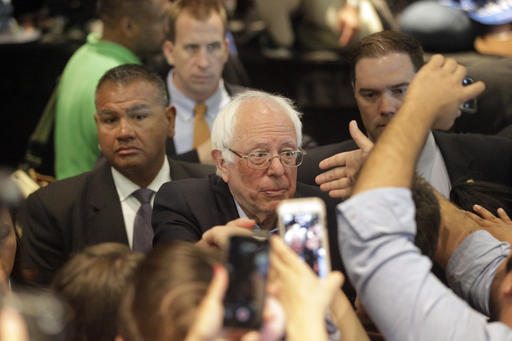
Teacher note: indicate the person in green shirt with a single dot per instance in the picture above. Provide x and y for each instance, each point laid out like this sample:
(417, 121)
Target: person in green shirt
(132, 31)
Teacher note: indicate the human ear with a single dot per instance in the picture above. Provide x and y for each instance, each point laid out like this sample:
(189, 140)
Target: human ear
(220, 163)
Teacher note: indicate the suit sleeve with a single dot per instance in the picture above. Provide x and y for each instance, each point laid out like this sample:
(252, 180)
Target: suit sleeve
(41, 242)
(172, 217)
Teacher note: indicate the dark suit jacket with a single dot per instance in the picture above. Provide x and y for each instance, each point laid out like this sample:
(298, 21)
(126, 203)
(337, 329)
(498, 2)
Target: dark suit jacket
(475, 156)
(71, 214)
(184, 210)
(192, 156)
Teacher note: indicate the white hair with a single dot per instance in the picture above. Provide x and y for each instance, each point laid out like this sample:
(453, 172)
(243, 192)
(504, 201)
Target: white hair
(223, 127)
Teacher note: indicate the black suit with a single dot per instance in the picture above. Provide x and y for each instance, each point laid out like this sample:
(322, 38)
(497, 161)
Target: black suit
(185, 209)
(480, 157)
(70, 214)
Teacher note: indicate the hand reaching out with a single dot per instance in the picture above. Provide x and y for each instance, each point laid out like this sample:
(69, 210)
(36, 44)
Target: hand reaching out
(343, 167)
(499, 226)
(304, 296)
(208, 323)
(218, 236)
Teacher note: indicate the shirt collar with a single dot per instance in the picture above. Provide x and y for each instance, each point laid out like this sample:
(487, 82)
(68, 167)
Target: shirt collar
(125, 187)
(427, 155)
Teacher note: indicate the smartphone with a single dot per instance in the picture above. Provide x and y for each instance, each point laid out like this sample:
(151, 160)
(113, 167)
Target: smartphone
(468, 107)
(247, 265)
(302, 226)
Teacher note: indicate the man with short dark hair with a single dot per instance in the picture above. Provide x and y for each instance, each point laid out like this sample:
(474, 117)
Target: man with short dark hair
(376, 227)
(112, 203)
(383, 65)
(132, 31)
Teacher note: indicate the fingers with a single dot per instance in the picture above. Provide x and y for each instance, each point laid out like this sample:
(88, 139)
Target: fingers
(477, 219)
(218, 236)
(334, 281)
(218, 285)
(331, 175)
(342, 183)
(338, 160)
(205, 327)
(473, 90)
(286, 257)
(504, 216)
(341, 193)
(359, 137)
(242, 222)
(484, 213)
(274, 321)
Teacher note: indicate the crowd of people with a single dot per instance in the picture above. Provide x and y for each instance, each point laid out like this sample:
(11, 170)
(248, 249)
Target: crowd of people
(155, 177)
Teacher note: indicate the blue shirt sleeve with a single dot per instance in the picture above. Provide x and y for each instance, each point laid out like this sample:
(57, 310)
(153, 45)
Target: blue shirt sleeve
(472, 267)
(393, 279)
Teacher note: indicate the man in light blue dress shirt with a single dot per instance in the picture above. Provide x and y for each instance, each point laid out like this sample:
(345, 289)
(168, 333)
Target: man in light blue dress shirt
(376, 226)
(198, 50)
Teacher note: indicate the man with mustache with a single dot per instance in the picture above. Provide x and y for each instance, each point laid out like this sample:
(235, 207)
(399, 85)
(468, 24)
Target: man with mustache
(133, 120)
(383, 65)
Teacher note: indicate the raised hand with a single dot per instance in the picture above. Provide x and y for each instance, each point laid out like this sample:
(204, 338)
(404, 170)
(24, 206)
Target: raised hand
(438, 86)
(304, 296)
(343, 167)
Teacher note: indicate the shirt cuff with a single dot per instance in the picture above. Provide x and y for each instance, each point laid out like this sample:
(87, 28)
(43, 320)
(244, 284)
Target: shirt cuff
(472, 267)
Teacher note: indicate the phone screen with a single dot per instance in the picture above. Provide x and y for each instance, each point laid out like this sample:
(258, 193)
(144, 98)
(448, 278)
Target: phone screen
(248, 268)
(304, 233)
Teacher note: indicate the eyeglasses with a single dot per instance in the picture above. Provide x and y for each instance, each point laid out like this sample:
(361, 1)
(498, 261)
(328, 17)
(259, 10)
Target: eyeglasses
(262, 160)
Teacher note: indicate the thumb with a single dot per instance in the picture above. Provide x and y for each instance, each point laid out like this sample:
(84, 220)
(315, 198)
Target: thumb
(242, 222)
(218, 284)
(359, 137)
(473, 90)
(332, 284)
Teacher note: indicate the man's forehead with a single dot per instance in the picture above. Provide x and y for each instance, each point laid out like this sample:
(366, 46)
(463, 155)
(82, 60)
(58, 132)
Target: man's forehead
(385, 70)
(213, 18)
(135, 94)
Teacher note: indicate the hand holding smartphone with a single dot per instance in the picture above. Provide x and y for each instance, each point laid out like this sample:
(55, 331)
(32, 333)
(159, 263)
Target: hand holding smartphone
(247, 266)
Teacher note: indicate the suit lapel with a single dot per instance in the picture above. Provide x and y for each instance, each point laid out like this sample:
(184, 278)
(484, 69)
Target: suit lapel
(177, 170)
(105, 220)
(459, 161)
(224, 200)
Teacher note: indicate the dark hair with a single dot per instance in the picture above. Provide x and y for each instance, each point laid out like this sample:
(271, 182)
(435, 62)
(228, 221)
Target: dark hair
(168, 287)
(110, 11)
(383, 43)
(466, 193)
(93, 282)
(199, 9)
(128, 73)
(428, 217)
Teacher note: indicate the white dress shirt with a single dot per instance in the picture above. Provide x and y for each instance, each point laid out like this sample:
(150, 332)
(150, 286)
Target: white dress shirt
(129, 204)
(431, 167)
(404, 299)
(184, 125)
